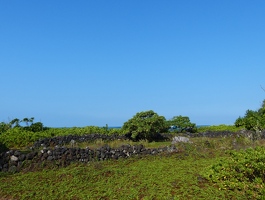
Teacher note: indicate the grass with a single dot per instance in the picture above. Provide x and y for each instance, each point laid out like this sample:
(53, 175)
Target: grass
(158, 177)
(167, 176)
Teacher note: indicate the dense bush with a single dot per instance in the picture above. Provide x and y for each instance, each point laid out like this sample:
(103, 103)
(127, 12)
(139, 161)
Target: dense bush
(4, 127)
(253, 120)
(17, 137)
(182, 124)
(243, 171)
(145, 125)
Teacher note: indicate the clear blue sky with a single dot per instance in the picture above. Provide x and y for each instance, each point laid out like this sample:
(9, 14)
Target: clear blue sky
(78, 63)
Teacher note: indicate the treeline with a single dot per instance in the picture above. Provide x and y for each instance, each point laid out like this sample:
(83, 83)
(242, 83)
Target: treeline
(17, 137)
(145, 125)
(24, 124)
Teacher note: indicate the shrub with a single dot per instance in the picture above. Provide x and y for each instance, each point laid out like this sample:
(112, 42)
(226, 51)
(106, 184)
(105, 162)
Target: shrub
(4, 127)
(36, 127)
(17, 137)
(243, 171)
(253, 120)
(182, 124)
(145, 125)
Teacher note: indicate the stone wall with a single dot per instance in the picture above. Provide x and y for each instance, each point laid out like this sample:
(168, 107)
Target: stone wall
(212, 134)
(54, 150)
(63, 140)
(243, 133)
(14, 160)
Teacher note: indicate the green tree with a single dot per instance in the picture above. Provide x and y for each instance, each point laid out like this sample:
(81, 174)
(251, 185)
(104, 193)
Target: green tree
(31, 120)
(36, 127)
(145, 125)
(26, 121)
(240, 122)
(182, 124)
(15, 122)
(253, 120)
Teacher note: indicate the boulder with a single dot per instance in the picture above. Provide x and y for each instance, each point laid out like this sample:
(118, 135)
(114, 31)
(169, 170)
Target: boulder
(22, 157)
(177, 139)
(13, 158)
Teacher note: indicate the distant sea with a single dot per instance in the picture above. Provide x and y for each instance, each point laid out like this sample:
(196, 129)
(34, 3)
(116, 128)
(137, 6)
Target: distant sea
(118, 127)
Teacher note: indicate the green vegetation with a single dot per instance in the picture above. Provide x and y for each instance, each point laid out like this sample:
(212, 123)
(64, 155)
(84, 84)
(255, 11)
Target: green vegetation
(18, 137)
(147, 178)
(145, 125)
(221, 127)
(207, 168)
(253, 120)
(168, 176)
(242, 171)
(16, 123)
(182, 124)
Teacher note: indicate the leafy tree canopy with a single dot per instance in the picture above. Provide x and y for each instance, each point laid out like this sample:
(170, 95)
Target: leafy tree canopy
(15, 123)
(253, 120)
(182, 124)
(145, 125)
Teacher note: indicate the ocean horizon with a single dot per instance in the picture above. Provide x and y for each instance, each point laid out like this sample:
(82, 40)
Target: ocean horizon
(112, 127)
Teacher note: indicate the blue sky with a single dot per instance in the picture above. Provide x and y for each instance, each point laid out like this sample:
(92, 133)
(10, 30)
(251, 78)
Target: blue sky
(79, 63)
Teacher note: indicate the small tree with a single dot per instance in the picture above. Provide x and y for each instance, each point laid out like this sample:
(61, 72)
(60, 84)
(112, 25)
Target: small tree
(182, 124)
(15, 122)
(31, 120)
(26, 121)
(253, 120)
(145, 125)
(36, 127)
(239, 122)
